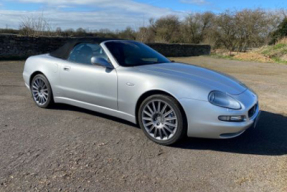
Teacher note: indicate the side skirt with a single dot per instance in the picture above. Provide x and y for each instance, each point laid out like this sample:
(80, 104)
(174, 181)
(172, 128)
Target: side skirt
(97, 108)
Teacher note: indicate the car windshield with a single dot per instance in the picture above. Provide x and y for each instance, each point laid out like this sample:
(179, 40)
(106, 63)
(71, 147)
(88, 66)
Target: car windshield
(131, 53)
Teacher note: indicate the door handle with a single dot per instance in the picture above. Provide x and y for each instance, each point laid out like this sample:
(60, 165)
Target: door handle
(67, 68)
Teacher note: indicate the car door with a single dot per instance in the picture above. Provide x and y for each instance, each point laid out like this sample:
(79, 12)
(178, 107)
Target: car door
(82, 81)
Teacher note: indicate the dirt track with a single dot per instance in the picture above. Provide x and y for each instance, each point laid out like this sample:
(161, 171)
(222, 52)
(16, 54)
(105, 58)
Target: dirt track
(71, 149)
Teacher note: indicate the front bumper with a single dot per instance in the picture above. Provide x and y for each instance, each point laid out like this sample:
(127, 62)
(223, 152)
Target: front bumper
(203, 122)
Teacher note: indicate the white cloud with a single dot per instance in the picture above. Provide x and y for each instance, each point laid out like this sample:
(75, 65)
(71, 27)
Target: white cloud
(123, 5)
(196, 2)
(111, 14)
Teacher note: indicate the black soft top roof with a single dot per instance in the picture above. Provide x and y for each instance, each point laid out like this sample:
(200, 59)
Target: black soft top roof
(64, 51)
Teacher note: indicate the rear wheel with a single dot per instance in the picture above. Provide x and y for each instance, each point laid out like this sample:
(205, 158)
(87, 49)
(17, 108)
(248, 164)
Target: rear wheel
(161, 119)
(41, 91)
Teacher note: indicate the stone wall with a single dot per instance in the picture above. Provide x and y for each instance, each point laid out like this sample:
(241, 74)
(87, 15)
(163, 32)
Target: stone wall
(19, 47)
(181, 50)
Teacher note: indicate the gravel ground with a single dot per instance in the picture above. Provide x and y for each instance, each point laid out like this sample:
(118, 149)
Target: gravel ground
(70, 149)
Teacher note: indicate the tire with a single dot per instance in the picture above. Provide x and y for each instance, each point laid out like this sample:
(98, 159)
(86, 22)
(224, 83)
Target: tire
(41, 91)
(161, 119)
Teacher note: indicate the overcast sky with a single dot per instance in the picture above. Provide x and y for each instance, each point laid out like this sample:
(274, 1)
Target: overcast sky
(116, 14)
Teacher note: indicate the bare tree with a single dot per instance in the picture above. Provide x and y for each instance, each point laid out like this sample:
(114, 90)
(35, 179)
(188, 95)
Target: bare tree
(59, 31)
(128, 33)
(145, 34)
(253, 27)
(233, 30)
(197, 26)
(241, 30)
(225, 31)
(80, 32)
(35, 26)
(69, 32)
(283, 12)
(167, 29)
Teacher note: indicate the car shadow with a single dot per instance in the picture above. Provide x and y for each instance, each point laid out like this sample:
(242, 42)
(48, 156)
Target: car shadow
(268, 138)
(60, 106)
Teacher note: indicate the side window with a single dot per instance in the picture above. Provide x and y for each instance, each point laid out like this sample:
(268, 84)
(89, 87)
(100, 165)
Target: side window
(83, 52)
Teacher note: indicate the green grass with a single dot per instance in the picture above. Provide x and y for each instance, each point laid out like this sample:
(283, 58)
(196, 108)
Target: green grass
(266, 51)
(279, 46)
(278, 60)
(275, 52)
(221, 56)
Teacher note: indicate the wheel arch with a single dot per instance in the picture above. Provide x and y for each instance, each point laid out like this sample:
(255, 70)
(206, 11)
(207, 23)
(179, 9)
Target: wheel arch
(155, 92)
(37, 73)
(34, 74)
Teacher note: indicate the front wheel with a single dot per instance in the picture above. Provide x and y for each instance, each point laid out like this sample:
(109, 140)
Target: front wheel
(161, 119)
(41, 91)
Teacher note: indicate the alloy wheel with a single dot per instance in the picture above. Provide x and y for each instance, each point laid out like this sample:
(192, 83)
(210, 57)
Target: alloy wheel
(159, 120)
(40, 91)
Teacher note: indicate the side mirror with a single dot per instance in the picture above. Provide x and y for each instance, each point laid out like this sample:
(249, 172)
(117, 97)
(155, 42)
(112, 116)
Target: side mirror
(101, 61)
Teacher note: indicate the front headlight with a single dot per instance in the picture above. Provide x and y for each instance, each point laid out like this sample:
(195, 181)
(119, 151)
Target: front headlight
(223, 100)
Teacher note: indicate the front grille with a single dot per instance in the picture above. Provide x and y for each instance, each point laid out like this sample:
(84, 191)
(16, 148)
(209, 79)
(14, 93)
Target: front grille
(252, 111)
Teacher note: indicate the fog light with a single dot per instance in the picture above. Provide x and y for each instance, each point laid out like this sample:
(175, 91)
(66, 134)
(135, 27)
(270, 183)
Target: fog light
(233, 118)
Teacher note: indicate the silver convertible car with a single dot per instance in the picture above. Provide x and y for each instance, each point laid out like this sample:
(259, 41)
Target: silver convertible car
(131, 81)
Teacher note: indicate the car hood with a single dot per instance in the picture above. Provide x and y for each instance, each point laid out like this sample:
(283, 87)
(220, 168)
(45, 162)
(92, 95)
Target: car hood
(195, 74)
